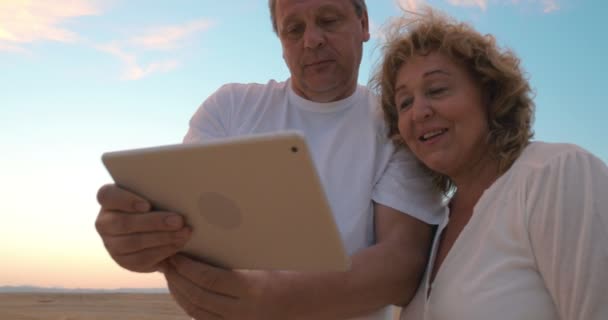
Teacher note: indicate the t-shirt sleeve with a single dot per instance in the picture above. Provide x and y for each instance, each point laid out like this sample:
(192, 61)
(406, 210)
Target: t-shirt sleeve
(568, 227)
(212, 119)
(405, 186)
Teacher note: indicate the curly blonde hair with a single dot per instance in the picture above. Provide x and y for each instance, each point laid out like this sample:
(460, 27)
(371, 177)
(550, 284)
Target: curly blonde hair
(510, 109)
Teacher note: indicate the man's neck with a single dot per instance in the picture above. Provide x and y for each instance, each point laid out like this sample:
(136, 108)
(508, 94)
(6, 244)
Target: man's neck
(326, 96)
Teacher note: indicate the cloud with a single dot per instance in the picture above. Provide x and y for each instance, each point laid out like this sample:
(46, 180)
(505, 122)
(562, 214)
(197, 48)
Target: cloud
(6, 47)
(26, 21)
(164, 38)
(411, 5)
(170, 37)
(414, 5)
(550, 6)
(136, 72)
(482, 4)
(133, 69)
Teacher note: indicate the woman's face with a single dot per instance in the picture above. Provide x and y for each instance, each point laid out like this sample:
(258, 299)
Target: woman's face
(442, 117)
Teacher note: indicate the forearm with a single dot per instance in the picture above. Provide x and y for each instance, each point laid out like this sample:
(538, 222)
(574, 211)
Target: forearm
(384, 274)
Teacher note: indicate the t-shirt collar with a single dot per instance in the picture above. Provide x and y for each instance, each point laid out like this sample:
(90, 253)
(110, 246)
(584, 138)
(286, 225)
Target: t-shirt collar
(308, 105)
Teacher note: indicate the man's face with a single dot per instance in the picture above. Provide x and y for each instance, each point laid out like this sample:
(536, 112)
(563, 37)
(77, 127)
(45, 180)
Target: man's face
(322, 44)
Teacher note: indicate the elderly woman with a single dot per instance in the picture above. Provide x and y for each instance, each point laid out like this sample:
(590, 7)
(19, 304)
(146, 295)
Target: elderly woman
(526, 236)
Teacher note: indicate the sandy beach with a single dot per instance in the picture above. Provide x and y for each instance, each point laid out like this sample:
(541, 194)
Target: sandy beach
(72, 306)
(88, 306)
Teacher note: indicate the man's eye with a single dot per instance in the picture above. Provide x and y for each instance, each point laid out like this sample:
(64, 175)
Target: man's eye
(294, 30)
(328, 21)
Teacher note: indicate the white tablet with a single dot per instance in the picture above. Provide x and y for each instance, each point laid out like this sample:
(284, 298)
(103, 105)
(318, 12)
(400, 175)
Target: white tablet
(253, 202)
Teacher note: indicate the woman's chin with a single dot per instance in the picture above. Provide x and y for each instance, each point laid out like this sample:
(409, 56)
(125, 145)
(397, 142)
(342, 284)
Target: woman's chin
(437, 164)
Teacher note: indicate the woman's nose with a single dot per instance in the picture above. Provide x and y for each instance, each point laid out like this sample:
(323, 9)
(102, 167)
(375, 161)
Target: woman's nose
(422, 109)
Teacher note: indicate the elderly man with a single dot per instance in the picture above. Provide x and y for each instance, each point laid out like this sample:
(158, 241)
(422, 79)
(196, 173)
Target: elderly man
(383, 204)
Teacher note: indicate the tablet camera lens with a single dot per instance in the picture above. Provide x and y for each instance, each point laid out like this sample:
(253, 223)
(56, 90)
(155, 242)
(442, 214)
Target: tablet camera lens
(294, 149)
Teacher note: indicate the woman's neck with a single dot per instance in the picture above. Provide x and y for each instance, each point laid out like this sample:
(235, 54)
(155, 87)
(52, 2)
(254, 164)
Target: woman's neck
(473, 181)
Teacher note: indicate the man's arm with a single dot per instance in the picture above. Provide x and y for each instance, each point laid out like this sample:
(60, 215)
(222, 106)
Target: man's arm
(408, 241)
(389, 271)
(385, 273)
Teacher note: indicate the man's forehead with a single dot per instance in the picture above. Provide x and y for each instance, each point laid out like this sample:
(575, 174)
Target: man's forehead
(290, 8)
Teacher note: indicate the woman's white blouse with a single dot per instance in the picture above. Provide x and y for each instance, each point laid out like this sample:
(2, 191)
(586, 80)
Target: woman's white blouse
(535, 248)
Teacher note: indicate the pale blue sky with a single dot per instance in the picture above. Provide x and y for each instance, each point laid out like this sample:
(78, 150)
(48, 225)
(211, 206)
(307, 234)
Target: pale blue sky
(81, 77)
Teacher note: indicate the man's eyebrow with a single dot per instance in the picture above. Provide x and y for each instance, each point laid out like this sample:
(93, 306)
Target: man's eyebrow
(328, 8)
(289, 17)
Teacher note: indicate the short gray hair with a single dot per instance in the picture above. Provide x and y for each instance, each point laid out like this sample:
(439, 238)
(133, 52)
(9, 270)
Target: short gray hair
(359, 5)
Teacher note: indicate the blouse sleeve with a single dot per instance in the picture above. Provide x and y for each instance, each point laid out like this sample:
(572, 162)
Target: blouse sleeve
(567, 203)
(405, 186)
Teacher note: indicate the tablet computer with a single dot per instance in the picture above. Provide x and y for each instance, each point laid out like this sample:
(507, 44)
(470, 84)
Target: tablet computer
(253, 202)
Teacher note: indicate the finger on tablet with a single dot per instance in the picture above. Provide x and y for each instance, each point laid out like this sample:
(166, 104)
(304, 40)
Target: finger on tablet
(117, 223)
(112, 197)
(133, 243)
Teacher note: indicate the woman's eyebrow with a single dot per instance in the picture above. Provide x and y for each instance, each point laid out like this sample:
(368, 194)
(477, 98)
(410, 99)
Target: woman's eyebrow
(435, 71)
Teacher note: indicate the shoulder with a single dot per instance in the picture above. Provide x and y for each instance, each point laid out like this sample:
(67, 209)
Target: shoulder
(231, 98)
(540, 151)
(539, 155)
(371, 103)
(545, 167)
(245, 89)
(556, 167)
(567, 215)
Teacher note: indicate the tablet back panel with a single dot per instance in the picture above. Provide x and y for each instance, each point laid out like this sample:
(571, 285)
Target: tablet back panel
(254, 202)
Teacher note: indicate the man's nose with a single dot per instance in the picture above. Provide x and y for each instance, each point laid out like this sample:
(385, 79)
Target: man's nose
(314, 37)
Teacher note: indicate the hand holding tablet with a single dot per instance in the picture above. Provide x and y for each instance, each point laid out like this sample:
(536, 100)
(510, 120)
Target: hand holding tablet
(253, 202)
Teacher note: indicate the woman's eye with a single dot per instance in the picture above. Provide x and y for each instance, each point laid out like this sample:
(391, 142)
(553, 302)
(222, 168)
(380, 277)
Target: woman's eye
(437, 91)
(404, 104)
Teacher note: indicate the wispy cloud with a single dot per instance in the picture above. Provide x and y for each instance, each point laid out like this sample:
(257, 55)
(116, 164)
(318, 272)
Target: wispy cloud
(6, 47)
(547, 5)
(133, 70)
(165, 38)
(411, 5)
(26, 21)
(170, 37)
(23, 22)
(482, 4)
(550, 6)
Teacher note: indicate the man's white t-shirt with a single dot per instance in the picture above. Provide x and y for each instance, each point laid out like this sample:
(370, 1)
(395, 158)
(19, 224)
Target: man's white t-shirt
(536, 246)
(356, 162)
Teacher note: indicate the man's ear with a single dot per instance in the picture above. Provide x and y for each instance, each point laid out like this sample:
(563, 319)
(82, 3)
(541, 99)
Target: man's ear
(365, 26)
